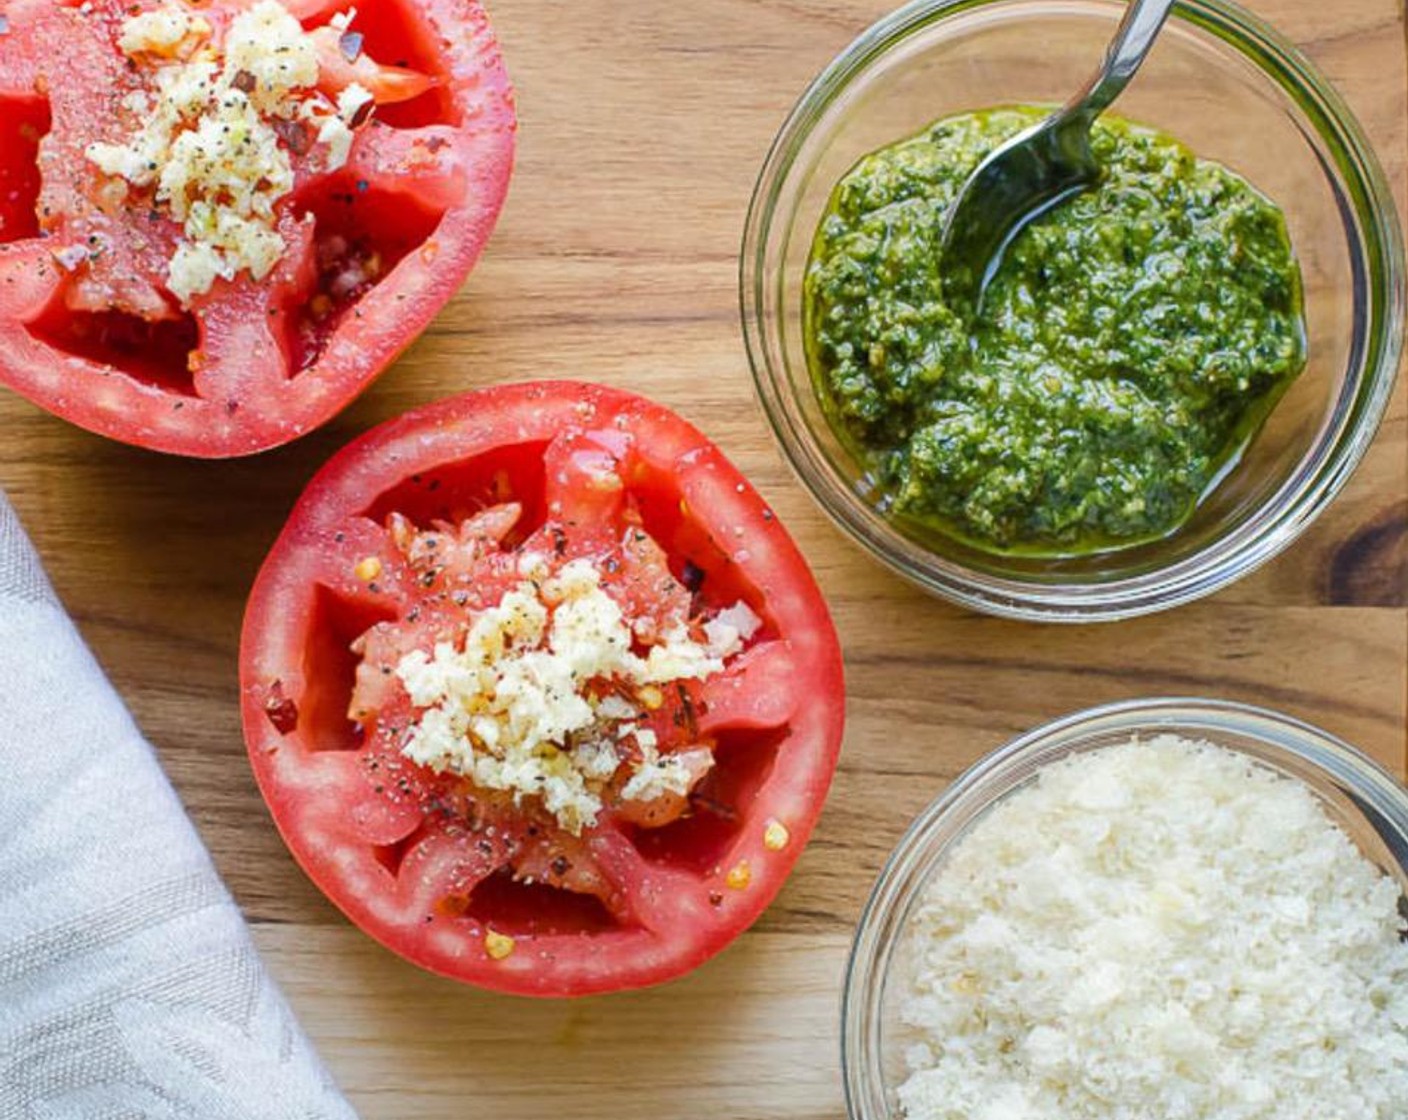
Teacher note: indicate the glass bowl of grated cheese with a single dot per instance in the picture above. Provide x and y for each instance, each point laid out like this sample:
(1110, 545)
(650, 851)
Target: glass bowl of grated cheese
(1158, 907)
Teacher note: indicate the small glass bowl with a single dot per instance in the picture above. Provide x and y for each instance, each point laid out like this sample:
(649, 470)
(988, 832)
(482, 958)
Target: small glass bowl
(1359, 795)
(1230, 88)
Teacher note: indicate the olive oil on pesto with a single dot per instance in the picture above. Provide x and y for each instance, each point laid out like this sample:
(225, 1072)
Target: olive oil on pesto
(1131, 343)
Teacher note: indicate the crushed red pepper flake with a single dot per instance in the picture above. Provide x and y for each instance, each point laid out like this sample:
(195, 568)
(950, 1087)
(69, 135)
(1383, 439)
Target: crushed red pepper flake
(295, 134)
(281, 709)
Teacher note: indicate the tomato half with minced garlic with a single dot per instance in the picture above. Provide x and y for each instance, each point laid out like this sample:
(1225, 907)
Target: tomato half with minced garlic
(540, 692)
(220, 221)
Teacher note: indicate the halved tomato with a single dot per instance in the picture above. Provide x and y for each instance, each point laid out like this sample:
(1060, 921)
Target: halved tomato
(402, 667)
(96, 323)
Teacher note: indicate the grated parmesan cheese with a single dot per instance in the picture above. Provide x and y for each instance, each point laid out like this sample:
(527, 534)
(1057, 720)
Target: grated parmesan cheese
(509, 708)
(209, 143)
(1160, 929)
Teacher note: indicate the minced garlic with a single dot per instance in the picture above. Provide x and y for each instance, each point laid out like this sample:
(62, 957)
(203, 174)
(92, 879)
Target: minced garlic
(209, 140)
(509, 708)
(271, 47)
(166, 32)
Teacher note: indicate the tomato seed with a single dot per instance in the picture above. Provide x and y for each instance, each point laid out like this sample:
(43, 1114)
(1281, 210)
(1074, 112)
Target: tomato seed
(498, 945)
(775, 836)
(367, 569)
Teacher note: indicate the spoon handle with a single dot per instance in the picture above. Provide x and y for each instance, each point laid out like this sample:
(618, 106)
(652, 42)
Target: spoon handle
(1126, 52)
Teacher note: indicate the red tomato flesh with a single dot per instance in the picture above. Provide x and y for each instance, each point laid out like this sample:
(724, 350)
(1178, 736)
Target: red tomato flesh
(399, 543)
(374, 249)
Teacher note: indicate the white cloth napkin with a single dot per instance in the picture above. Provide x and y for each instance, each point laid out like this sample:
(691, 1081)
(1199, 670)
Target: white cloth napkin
(129, 987)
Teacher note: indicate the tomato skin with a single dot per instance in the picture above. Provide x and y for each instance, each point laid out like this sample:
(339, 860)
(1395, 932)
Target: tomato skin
(238, 395)
(680, 914)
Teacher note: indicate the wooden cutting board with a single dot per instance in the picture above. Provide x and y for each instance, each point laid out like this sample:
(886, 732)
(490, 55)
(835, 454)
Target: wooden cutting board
(644, 124)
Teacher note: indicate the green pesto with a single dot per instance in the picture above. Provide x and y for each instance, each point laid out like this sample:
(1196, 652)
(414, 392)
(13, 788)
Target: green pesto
(1127, 350)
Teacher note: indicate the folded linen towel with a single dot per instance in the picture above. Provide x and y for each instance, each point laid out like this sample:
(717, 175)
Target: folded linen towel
(129, 987)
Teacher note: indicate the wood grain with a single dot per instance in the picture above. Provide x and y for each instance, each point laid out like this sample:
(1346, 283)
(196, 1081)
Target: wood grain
(643, 127)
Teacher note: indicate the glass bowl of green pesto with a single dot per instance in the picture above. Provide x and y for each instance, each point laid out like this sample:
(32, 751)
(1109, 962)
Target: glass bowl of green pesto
(1170, 376)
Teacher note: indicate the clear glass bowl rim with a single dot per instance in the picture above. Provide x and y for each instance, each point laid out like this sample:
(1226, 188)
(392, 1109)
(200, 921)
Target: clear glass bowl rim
(1377, 254)
(906, 870)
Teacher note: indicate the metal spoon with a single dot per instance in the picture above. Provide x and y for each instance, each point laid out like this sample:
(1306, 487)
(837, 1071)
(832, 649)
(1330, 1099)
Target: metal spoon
(1039, 167)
